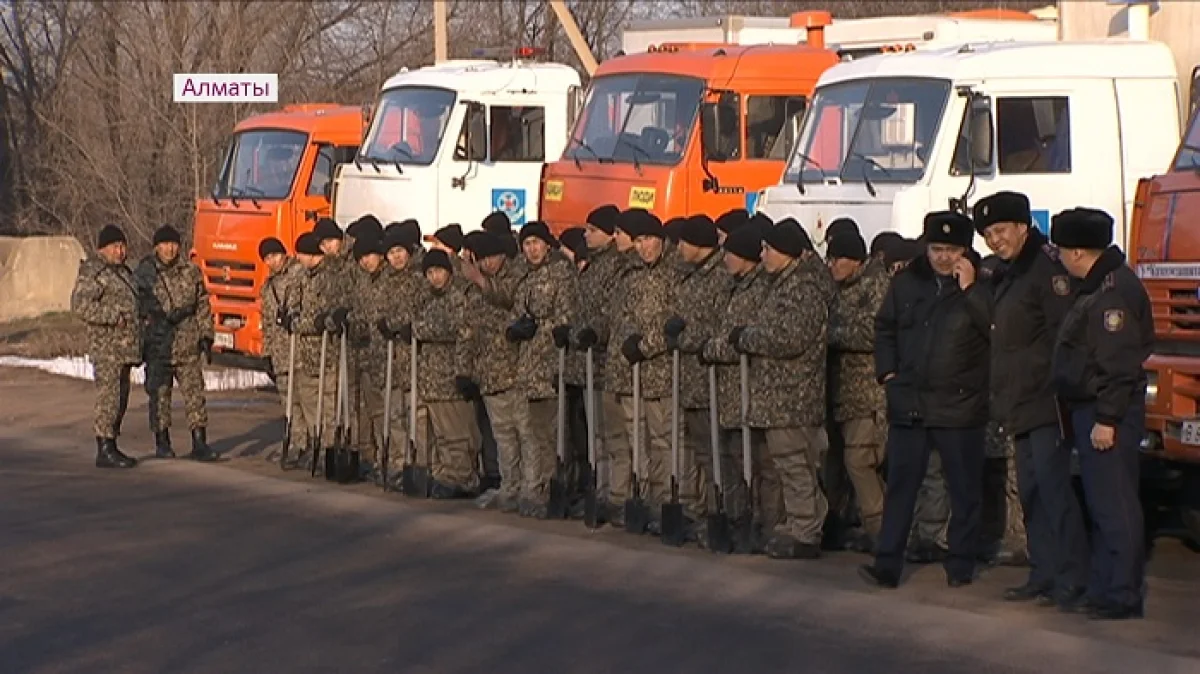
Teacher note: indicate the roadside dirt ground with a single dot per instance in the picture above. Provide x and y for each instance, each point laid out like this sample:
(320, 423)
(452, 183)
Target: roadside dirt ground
(38, 410)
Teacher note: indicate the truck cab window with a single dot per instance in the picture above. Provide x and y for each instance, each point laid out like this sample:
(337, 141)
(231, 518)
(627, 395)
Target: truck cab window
(474, 128)
(328, 159)
(772, 123)
(518, 134)
(261, 164)
(1033, 134)
(728, 134)
(1189, 150)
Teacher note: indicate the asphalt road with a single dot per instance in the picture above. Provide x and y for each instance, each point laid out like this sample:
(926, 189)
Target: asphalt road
(184, 567)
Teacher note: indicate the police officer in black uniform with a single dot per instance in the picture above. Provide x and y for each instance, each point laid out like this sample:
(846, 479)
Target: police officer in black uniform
(1031, 293)
(1097, 368)
(931, 355)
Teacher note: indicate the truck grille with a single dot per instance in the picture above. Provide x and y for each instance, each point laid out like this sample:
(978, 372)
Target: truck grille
(1179, 310)
(232, 277)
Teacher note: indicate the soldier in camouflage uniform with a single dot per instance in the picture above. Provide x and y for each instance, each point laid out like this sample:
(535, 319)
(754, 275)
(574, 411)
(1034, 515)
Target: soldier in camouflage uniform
(597, 284)
(105, 298)
(858, 402)
(543, 312)
(699, 303)
(492, 359)
(400, 288)
(641, 309)
(451, 439)
(179, 330)
(283, 275)
(730, 222)
(497, 223)
(372, 300)
(747, 296)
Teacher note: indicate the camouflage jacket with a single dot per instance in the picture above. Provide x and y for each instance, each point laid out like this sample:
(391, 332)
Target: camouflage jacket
(372, 301)
(491, 360)
(550, 294)
(439, 329)
(164, 289)
(645, 301)
(597, 285)
(105, 298)
(745, 300)
(700, 301)
(402, 288)
(855, 393)
(321, 290)
(278, 293)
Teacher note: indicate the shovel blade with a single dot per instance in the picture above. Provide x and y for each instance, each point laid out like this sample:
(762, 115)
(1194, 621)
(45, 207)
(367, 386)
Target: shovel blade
(557, 508)
(720, 535)
(592, 517)
(332, 457)
(674, 525)
(743, 536)
(415, 481)
(637, 516)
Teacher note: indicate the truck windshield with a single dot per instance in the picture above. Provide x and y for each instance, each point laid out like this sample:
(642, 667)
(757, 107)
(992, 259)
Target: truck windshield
(261, 164)
(643, 118)
(408, 125)
(881, 130)
(1189, 150)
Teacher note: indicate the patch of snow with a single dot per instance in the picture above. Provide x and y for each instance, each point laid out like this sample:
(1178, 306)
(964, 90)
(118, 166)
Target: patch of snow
(81, 368)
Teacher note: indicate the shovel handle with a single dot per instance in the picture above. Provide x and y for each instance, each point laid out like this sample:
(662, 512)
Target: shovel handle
(589, 408)
(387, 391)
(675, 414)
(412, 399)
(714, 431)
(637, 420)
(560, 415)
(744, 366)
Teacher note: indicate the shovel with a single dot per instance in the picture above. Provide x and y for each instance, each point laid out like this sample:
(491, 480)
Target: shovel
(414, 479)
(743, 532)
(674, 526)
(720, 537)
(637, 513)
(558, 507)
(291, 386)
(348, 459)
(316, 455)
(334, 457)
(387, 416)
(591, 507)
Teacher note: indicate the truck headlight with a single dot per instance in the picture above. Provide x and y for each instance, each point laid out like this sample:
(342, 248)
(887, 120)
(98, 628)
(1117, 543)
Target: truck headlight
(1151, 387)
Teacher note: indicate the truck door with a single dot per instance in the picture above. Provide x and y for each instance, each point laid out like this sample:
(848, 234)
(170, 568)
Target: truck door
(496, 165)
(1058, 146)
(312, 201)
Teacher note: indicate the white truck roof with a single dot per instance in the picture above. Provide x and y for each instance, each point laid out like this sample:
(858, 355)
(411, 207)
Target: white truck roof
(475, 76)
(1027, 60)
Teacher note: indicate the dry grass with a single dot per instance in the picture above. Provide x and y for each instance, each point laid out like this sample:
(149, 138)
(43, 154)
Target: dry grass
(48, 336)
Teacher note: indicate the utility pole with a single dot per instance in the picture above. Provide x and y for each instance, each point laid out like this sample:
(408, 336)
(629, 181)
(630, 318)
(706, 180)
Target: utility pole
(439, 31)
(572, 29)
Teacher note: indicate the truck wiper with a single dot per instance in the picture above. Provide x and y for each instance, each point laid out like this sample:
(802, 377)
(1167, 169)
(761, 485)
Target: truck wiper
(637, 166)
(248, 191)
(867, 181)
(804, 160)
(582, 144)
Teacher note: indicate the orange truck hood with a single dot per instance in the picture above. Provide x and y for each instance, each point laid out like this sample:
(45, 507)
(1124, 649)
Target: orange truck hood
(1167, 254)
(569, 194)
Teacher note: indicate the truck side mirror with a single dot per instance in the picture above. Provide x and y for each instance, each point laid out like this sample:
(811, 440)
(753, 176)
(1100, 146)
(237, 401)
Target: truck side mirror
(710, 130)
(982, 134)
(327, 192)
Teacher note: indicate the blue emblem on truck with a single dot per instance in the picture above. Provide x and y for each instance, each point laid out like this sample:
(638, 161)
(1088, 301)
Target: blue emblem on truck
(510, 202)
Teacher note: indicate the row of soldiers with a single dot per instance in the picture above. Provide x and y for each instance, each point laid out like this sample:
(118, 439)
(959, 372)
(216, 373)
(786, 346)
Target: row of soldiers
(493, 313)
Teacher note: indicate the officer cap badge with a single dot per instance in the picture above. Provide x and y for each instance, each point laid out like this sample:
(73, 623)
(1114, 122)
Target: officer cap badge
(946, 228)
(1061, 285)
(984, 210)
(1114, 320)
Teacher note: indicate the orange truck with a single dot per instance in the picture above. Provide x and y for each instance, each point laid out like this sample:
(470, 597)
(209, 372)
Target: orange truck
(634, 146)
(275, 179)
(1165, 251)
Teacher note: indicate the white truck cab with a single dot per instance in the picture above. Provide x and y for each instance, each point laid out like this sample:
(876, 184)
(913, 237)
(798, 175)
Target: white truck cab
(453, 142)
(891, 137)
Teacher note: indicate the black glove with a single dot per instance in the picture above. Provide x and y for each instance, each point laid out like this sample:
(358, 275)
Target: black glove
(562, 336)
(523, 329)
(286, 321)
(467, 387)
(735, 337)
(206, 346)
(340, 316)
(384, 330)
(632, 350)
(672, 330)
(586, 338)
(177, 316)
(405, 333)
(700, 356)
(332, 326)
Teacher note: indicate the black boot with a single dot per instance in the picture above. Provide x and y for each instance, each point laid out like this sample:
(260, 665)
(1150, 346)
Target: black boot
(200, 449)
(108, 456)
(162, 445)
(333, 459)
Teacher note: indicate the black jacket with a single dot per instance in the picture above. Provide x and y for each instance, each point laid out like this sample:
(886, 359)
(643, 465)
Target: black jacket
(1030, 297)
(1103, 341)
(934, 338)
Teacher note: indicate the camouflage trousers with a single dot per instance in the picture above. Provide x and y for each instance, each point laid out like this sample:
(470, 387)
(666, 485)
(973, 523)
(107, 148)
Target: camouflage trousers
(451, 440)
(369, 415)
(504, 415)
(112, 397)
(795, 457)
(536, 439)
(1000, 446)
(764, 501)
(300, 426)
(654, 471)
(312, 393)
(399, 448)
(863, 454)
(696, 464)
(160, 379)
(614, 454)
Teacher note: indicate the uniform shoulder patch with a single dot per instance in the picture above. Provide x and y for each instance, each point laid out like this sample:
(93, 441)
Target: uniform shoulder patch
(1114, 320)
(1051, 251)
(1061, 285)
